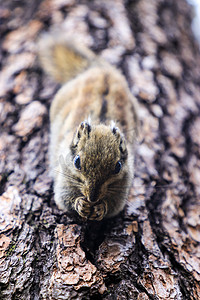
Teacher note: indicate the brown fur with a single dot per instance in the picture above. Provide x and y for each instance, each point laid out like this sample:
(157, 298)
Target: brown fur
(93, 102)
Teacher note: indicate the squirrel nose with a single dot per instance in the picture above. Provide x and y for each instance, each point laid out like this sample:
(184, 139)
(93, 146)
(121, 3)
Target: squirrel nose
(94, 193)
(92, 196)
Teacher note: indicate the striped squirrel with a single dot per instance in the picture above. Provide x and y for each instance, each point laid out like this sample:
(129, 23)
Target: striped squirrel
(94, 126)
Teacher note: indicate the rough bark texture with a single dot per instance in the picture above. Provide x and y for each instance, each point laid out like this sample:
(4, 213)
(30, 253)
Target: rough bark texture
(152, 249)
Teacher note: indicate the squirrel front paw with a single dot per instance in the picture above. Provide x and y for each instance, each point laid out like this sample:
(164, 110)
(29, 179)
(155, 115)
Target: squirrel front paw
(82, 207)
(95, 212)
(98, 211)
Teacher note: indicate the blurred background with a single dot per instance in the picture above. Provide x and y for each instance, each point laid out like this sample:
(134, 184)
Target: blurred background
(196, 20)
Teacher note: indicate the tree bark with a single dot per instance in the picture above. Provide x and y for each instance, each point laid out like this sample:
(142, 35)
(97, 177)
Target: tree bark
(152, 249)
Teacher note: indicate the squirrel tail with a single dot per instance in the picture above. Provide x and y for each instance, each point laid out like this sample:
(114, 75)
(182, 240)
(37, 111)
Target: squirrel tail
(62, 57)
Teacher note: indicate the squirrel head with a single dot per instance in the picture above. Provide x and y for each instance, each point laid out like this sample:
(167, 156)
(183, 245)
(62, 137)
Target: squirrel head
(98, 171)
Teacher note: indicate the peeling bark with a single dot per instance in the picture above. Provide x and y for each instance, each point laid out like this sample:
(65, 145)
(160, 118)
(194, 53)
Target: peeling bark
(152, 249)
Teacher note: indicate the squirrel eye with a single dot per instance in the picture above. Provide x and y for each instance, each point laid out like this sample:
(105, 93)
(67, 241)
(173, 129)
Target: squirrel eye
(77, 162)
(118, 167)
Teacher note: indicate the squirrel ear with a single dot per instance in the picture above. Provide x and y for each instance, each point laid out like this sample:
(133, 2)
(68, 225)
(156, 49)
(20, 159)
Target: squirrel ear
(115, 130)
(113, 127)
(83, 129)
(122, 147)
(120, 138)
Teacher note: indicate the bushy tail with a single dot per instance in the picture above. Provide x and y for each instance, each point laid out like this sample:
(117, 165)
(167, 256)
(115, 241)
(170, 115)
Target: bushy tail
(62, 57)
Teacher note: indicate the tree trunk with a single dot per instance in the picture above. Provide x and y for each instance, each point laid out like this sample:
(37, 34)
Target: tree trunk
(152, 249)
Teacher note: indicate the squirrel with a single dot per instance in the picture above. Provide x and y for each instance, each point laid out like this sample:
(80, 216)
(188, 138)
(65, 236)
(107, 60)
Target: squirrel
(93, 129)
